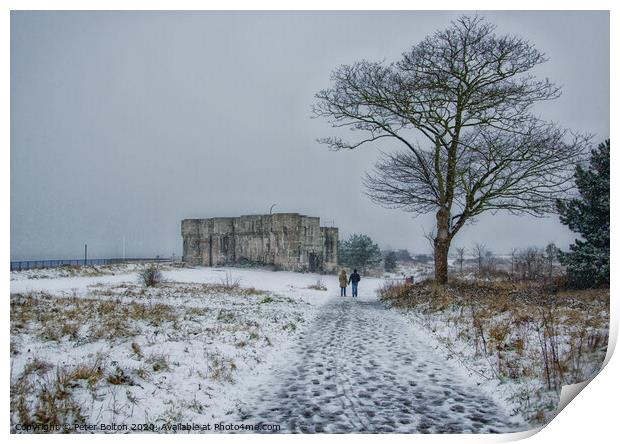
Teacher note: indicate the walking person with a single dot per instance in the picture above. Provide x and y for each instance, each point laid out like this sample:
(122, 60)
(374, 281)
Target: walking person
(354, 280)
(342, 277)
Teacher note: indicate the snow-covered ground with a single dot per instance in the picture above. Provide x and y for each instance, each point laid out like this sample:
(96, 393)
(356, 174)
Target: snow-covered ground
(364, 369)
(282, 282)
(227, 345)
(80, 271)
(203, 340)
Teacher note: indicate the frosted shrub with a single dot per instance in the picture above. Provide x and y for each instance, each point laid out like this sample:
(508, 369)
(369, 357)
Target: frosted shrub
(150, 276)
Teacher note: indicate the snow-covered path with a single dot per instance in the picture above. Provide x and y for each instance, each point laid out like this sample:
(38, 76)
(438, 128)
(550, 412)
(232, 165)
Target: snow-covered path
(362, 368)
(353, 365)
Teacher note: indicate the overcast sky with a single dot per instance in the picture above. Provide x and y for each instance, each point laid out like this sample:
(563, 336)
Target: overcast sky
(125, 123)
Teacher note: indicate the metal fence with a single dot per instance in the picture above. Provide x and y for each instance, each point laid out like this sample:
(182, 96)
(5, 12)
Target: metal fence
(28, 265)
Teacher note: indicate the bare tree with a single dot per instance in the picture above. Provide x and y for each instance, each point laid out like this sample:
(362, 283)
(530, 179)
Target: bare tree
(513, 259)
(551, 253)
(479, 252)
(530, 263)
(468, 93)
(490, 262)
(460, 258)
(430, 237)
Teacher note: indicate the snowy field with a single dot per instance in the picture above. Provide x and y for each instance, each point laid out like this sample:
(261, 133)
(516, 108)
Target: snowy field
(233, 346)
(103, 349)
(179, 352)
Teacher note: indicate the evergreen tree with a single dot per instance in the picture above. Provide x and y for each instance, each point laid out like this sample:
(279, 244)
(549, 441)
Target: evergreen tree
(389, 263)
(359, 251)
(403, 255)
(587, 262)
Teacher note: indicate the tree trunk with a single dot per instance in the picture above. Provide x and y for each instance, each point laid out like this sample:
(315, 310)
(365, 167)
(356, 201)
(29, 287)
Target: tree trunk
(442, 246)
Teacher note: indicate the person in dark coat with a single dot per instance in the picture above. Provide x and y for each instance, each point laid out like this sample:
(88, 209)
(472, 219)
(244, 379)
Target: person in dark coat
(342, 277)
(354, 280)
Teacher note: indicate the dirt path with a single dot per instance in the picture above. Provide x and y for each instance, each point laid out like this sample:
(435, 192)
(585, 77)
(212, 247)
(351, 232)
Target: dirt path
(362, 368)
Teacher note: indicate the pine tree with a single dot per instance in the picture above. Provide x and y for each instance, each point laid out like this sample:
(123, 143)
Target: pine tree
(403, 255)
(389, 263)
(587, 262)
(359, 251)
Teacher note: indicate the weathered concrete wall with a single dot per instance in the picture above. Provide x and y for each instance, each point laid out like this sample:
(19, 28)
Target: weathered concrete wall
(330, 247)
(289, 240)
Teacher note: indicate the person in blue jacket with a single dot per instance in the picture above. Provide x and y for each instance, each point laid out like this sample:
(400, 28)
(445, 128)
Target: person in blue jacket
(354, 279)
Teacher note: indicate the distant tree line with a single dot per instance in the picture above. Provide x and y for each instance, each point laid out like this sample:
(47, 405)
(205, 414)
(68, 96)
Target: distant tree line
(528, 263)
(360, 252)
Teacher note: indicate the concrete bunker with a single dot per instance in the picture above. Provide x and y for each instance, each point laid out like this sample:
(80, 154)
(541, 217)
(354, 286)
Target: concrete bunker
(290, 241)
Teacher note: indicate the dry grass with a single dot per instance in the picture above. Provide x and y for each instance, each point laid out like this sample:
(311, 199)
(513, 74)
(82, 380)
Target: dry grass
(44, 398)
(92, 373)
(522, 329)
(85, 270)
(138, 324)
(120, 377)
(221, 368)
(158, 362)
(38, 367)
(173, 290)
(137, 350)
(84, 319)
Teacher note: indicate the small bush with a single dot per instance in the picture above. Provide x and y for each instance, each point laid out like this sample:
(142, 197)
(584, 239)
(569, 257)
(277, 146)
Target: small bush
(230, 283)
(318, 285)
(151, 276)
